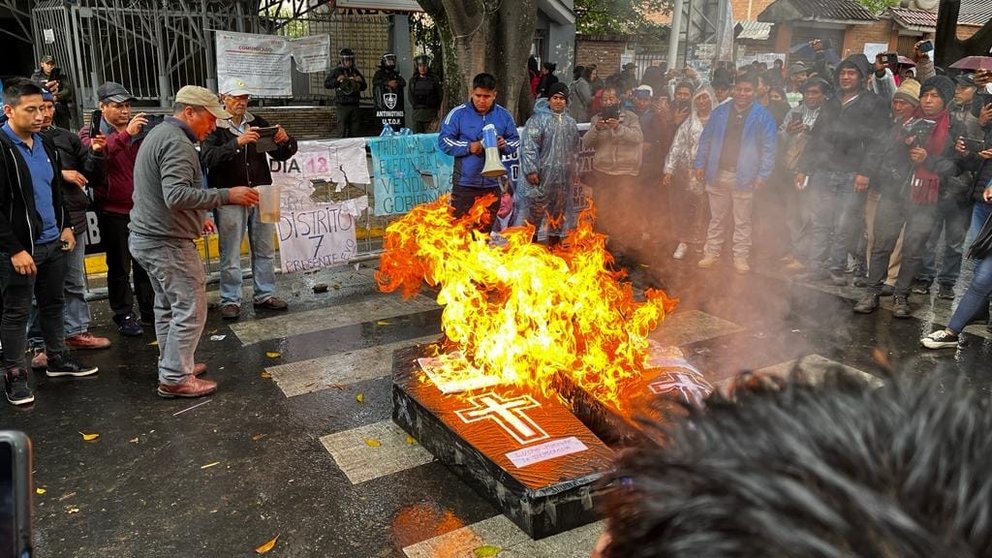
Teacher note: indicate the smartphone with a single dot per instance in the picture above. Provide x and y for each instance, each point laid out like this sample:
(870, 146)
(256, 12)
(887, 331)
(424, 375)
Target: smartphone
(974, 145)
(15, 495)
(96, 122)
(926, 46)
(981, 100)
(609, 112)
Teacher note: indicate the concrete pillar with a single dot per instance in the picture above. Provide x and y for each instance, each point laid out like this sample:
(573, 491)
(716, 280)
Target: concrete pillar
(399, 43)
(673, 37)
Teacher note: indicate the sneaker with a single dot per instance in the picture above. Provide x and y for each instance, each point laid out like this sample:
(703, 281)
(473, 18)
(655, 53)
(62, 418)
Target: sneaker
(39, 361)
(887, 290)
(900, 307)
(940, 339)
(129, 327)
(708, 262)
(62, 364)
(190, 387)
(86, 340)
(946, 292)
(680, 251)
(15, 385)
(838, 279)
(921, 287)
(740, 266)
(271, 303)
(230, 312)
(867, 304)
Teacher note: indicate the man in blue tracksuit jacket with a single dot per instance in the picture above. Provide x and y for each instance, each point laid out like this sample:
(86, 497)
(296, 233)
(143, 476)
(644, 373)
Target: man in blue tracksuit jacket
(736, 155)
(461, 137)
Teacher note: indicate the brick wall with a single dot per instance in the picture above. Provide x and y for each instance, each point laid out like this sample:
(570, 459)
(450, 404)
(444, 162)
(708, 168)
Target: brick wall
(742, 7)
(858, 35)
(604, 53)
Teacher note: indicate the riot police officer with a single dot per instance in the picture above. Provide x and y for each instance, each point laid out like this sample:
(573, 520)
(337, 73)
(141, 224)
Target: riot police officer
(425, 93)
(349, 83)
(387, 90)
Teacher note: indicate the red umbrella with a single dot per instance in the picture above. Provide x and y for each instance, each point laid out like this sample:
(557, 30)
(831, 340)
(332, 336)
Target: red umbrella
(973, 63)
(904, 61)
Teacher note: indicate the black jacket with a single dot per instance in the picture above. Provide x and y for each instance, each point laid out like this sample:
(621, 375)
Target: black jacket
(425, 91)
(228, 164)
(893, 168)
(380, 88)
(20, 223)
(348, 93)
(843, 135)
(78, 158)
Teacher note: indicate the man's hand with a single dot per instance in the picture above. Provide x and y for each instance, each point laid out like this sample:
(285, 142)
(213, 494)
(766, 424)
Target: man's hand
(795, 126)
(250, 136)
(960, 147)
(500, 143)
(987, 195)
(68, 238)
(98, 143)
(681, 115)
(860, 183)
(600, 124)
(136, 124)
(917, 155)
(985, 116)
(613, 123)
(281, 135)
(23, 263)
(700, 174)
(987, 154)
(208, 226)
(666, 180)
(74, 177)
(242, 195)
(534, 178)
(475, 148)
(801, 181)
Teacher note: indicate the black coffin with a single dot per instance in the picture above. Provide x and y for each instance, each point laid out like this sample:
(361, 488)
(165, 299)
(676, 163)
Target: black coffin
(523, 451)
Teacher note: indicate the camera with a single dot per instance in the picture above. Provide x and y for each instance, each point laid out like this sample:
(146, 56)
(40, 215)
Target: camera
(926, 46)
(609, 112)
(15, 495)
(919, 129)
(973, 145)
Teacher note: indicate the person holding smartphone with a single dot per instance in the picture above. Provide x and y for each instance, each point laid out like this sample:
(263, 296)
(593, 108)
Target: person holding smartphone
(35, 232)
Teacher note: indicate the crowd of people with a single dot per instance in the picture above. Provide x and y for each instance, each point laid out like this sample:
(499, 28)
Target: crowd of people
(151, 182)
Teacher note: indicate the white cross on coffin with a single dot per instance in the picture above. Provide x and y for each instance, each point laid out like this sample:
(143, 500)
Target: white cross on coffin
(507, 413)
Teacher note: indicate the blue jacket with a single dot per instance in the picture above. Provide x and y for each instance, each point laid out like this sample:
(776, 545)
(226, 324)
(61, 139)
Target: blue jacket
(758, 143)
(462, 126)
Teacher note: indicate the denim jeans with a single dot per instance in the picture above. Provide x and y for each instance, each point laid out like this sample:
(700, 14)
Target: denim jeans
(180, 282)
(975, 297)
(979, 214)
(838, 220)
(77, 311)
(16, 289)
(952, 224)
(232, 220)
(894, 212)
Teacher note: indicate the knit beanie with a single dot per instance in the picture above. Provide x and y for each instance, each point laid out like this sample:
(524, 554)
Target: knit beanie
(909, 91)
(558, 88)
(943, 85)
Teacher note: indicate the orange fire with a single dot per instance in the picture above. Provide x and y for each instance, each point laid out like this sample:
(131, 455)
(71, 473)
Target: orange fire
(519, 311)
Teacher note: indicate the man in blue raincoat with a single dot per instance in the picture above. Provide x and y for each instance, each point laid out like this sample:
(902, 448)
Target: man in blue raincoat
(548, 165)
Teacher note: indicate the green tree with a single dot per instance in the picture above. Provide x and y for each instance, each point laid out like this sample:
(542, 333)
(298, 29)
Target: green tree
(630, 17)
(878, 5)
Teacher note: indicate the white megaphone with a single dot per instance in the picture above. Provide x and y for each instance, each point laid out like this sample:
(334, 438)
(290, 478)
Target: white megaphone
(493, 167)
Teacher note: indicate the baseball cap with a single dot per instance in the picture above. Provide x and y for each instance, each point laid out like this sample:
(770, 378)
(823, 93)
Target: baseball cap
(235, 87)
(966, 80)
(113, 92)
(643, 91)
(197, 96)
(47, 59)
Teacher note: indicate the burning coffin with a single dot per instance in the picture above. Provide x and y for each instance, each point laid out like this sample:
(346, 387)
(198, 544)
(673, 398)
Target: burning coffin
(526, 452)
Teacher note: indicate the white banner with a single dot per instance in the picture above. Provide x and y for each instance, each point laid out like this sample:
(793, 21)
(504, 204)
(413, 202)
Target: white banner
(313, 235)
(312, 54)
(261, 61)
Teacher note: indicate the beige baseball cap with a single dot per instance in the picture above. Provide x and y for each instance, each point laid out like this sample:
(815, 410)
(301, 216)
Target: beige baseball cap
(197, 96)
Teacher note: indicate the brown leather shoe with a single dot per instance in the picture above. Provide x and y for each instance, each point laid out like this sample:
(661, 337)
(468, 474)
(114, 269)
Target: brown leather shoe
(230, 312)
(199, 369)
(190, 387)
(86, 340)
(272, 303)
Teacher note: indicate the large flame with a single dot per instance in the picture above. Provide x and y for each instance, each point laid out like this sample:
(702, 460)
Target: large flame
(520, 311)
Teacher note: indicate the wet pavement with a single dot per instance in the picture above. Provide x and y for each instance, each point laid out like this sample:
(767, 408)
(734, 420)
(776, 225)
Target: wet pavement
(298, 441)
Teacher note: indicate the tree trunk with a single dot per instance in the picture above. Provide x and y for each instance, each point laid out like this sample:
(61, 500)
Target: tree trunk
(476, 39)
(949, 48)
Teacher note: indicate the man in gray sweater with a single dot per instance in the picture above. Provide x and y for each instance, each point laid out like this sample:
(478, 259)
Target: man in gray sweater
(169, 213)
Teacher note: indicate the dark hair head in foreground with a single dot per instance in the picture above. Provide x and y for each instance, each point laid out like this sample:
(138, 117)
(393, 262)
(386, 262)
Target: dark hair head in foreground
(836, 470)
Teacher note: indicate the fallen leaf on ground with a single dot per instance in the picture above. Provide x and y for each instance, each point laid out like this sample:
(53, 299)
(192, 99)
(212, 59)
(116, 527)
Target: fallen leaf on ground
(267, 546)
(273, 354)
(133, 440)
(267, 375)
(217, 337)
(153, 344)
(40, 490)
(383, 323)
(360, 398)
(71, 509)
(67, 496)
(209, 465)
(89, 437)
(372, 442)
(486, 551)
(411, 440)
(258, 437)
